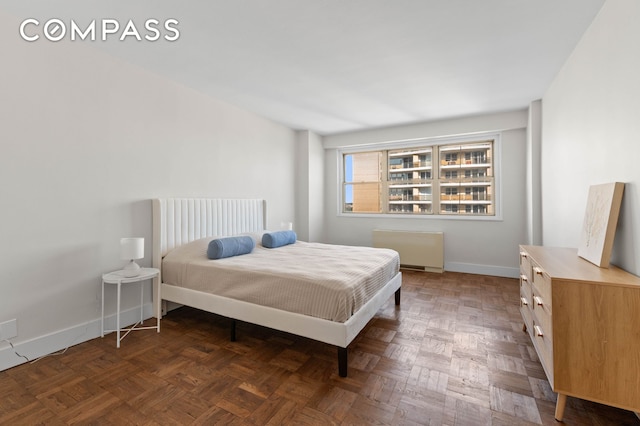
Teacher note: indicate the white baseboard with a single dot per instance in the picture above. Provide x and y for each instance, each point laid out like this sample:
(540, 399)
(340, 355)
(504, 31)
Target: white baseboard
(31, 350)
(470, 268)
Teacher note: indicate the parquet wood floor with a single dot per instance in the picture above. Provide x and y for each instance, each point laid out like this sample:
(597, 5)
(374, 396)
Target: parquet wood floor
(453, 353)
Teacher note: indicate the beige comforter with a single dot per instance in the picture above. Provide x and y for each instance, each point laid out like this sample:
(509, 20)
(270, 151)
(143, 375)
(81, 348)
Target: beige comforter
(322, 280)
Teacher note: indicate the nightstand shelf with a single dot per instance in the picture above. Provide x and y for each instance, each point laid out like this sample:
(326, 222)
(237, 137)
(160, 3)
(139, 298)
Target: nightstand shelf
(118, 278)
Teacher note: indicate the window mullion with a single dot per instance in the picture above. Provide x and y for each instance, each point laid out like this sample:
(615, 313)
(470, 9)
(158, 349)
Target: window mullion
(384, 182)
(435, 185)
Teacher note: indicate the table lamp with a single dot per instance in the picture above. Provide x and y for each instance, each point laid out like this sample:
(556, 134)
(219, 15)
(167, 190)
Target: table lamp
(131, 249)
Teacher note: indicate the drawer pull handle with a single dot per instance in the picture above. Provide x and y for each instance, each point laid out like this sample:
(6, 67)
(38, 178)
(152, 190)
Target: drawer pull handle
(523, 254)
(524, 301)
(538, 300)
(538, 331)
(537, 270)
(523, 277)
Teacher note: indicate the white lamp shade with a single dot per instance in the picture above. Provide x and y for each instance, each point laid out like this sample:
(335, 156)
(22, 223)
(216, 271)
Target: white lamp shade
(131, 248)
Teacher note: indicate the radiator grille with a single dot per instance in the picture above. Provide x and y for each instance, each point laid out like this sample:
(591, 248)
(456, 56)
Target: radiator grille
(418, 249)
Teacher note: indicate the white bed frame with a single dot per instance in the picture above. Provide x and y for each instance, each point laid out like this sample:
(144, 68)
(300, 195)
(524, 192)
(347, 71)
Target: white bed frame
(177, 221)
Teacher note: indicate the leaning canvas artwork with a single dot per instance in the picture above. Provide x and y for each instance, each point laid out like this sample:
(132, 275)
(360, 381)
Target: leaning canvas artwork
(600, 220)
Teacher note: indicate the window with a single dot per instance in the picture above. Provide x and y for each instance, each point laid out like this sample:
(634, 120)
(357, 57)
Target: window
(424, 178)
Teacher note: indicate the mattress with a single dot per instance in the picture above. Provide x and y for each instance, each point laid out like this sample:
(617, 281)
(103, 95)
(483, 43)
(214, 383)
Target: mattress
(322, 280)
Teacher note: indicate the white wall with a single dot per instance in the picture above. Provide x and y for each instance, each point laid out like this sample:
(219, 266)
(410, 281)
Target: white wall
(309, 224)
(534, 190)
(86, 142)
(477, 246)
(591, 131)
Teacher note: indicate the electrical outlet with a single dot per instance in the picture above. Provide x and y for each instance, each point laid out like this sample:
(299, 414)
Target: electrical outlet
(9, 329)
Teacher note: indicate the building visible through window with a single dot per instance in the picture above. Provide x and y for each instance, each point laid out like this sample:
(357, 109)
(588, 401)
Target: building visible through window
(407, 180)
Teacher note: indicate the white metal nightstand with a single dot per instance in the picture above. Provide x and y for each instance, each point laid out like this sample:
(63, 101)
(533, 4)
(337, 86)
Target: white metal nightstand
(118, 278)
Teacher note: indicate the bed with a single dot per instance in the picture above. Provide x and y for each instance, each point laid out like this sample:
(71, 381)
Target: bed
(186, 225)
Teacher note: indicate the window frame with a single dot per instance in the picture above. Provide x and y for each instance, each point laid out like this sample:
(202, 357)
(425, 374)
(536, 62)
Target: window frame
(496, 137)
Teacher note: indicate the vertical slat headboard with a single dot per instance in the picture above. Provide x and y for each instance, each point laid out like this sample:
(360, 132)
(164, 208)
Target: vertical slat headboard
(177, 221)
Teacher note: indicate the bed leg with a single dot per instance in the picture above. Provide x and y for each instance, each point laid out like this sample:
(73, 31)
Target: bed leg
(233, 330)
(342, 361)
(398, 297)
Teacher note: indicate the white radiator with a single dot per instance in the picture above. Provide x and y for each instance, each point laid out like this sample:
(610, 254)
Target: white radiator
(417, 249)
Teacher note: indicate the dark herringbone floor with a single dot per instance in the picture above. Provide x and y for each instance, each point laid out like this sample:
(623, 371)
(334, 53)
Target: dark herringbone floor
(453, 353)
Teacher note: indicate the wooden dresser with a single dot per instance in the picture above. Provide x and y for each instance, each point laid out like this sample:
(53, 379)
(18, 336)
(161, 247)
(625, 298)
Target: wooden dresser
(584, 322)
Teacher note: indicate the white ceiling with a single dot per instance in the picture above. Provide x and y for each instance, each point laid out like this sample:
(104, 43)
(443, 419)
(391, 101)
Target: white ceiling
(340, 65)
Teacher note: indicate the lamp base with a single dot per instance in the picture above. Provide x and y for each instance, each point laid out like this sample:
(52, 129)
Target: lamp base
(132, 269)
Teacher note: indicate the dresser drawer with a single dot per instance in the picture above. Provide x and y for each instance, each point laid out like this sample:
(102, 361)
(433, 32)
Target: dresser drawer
(525, 281)
(542, 315)
(525, 309)
(542, 285)
(544, 348)
(525, 264)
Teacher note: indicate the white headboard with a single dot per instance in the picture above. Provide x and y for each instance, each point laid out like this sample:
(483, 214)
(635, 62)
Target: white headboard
(177, 221)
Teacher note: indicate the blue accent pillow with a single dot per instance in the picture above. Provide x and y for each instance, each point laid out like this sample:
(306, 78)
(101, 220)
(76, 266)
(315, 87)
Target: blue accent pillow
(220, 248)
(278, 238)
